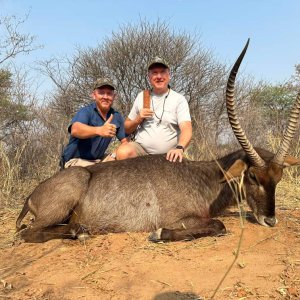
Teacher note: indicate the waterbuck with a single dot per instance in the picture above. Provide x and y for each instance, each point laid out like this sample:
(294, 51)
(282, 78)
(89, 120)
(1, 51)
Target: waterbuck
(175, 201)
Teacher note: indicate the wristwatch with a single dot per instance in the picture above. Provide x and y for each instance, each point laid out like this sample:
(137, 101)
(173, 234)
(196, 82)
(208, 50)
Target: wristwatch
(180, 147)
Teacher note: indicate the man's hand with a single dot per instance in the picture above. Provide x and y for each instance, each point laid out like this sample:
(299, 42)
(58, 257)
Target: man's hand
(110, 157)
(146, 113)
(108, 130)
(132, 125)
(174, 155)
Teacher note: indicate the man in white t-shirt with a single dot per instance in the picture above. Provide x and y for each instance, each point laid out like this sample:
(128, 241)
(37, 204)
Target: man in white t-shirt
(166, 126)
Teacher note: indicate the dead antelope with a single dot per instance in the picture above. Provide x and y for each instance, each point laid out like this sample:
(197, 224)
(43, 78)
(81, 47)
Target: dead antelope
(174, 200)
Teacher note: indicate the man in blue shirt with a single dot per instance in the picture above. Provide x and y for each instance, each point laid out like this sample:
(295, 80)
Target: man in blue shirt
(93, 127)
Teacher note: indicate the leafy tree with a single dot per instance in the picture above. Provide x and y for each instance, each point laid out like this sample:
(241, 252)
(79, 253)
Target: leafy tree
(17, 112)
(13, 109)
(275, 102)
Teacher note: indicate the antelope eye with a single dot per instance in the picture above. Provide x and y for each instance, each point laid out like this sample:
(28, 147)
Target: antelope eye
(252, 175)
(253, 178)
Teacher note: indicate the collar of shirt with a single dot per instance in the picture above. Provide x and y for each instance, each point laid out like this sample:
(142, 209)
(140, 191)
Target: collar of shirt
(111, 111)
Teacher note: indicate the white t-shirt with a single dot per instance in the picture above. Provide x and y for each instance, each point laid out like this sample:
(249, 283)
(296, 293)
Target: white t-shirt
(160, 133)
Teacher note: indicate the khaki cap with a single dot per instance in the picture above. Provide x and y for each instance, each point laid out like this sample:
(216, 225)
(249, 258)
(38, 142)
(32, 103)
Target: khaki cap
(158, 61)
(100, 82)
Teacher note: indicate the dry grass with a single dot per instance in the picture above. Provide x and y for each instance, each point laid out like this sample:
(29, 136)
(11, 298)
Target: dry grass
(288, 189)
(11, 182)
(14, 186)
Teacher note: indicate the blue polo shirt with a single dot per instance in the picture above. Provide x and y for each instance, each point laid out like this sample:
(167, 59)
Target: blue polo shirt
(95, 147)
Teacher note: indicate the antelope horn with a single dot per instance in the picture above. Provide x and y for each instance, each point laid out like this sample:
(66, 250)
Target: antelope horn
(233, 120)
(289, 133)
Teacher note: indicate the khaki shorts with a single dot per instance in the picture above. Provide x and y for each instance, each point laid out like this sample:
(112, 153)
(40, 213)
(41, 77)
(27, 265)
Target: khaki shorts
(140, 151)
(79, 162)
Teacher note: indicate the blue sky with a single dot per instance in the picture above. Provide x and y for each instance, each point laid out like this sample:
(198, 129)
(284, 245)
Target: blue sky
(224, 26)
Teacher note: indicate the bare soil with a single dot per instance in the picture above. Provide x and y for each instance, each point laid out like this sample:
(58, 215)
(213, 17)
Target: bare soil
(128, 266)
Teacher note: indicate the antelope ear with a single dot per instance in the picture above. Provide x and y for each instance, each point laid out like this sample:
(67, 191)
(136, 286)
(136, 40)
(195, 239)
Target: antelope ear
(291, 161)
(236, 170)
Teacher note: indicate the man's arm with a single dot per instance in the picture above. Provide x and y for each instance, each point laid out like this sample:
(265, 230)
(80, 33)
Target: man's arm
(131, 125)
(185, 133)
(184, 140)
(83, 131)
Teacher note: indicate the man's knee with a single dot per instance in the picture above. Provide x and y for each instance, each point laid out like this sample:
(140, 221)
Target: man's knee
(126, 151)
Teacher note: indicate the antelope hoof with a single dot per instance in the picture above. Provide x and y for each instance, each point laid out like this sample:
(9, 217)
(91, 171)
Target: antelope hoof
(155, 236)
(82, 237)
(23, 226)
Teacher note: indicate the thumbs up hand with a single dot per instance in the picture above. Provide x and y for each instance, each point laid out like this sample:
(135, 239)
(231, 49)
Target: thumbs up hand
(109, 119)
(108, 130)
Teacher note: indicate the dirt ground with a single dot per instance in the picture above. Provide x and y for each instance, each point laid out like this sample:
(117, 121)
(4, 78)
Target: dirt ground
(128, 266)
